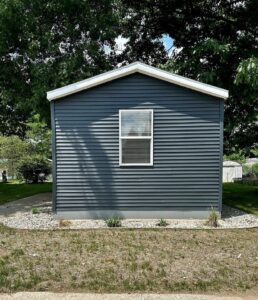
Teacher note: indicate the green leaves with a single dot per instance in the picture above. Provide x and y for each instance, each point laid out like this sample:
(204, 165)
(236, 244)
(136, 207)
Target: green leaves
(213, 43)
(37, 142)
(212, 46)
(39, 136)
(12, 150)
(236, 156)
(48, 44)
(34, 168)
(202, 61)
(247, 72)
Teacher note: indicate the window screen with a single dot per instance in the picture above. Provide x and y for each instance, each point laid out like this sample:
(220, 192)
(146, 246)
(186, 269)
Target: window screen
(136, 137)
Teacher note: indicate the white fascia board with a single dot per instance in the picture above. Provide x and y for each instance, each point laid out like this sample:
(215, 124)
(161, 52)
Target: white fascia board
(134, 68)
(184, 82)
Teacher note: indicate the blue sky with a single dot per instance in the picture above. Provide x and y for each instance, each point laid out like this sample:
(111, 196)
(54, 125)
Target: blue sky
(167, 41)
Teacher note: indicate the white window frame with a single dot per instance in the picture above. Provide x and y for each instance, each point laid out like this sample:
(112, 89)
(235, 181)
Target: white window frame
(135, 137)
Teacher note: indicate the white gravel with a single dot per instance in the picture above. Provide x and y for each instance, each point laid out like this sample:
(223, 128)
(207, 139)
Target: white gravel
(28, 220)
(231, 218)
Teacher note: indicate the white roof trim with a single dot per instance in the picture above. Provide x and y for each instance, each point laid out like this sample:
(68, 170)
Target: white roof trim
(134, 68)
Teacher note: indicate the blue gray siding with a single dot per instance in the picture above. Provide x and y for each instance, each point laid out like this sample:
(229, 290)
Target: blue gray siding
(186, 175)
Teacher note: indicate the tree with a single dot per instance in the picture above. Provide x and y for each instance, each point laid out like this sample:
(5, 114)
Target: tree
(38, 136)
(12, 150)
(34, 169)
(12, 119)
(37, 142)
(48, 44)
(215, 42)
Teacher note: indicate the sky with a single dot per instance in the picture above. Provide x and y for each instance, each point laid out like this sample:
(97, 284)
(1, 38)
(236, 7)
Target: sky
(168, 42)
(166, 39)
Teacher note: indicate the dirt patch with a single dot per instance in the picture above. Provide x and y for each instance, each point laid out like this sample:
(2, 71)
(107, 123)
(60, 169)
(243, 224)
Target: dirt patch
(129, 260)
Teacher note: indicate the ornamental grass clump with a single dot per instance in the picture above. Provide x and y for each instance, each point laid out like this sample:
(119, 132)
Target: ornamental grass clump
(114, 222)
(35, 211)
(64, 223)
(213, 219)
(162, 223)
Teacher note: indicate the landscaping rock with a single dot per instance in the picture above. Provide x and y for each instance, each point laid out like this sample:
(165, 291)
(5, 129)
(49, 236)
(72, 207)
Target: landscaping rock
(231, 218)
(28, 220)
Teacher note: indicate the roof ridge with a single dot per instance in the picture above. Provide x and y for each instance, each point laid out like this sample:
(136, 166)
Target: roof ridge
(143, 69)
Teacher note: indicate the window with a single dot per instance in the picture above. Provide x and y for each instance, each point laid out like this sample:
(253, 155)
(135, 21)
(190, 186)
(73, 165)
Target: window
(136, 137)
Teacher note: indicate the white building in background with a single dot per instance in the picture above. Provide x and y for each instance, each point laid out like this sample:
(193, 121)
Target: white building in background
(251, 161)
(231, 171)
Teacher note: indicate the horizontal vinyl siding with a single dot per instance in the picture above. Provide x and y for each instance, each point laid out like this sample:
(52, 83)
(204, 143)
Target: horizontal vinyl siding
(186, 170)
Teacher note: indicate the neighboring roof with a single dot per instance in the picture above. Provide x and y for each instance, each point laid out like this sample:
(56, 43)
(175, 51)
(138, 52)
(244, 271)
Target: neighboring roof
(137, 67)
(251, 161)
(231, 163)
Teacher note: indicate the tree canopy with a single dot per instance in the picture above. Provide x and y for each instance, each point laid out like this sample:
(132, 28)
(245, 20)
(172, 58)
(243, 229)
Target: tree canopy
(215, 42)
(48, 44)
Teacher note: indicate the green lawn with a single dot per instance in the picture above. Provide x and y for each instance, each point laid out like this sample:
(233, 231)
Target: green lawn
(244, 197)
(15, 190)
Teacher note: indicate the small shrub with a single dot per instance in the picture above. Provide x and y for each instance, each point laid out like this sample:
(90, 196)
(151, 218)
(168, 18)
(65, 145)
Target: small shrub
(64, 223)
(236, 156)
(162, 223)
(35, 211)
(213, 218)
(250, 171)
(255, 169)
(254, 151)
(247, 170)
(34, 169)
(114, 222)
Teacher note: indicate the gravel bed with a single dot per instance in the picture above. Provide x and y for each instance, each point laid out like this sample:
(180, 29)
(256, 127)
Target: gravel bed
(27, 220)
(231, 218)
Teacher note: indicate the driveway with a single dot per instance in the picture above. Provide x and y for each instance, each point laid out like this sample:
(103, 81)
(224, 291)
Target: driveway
(25, 204)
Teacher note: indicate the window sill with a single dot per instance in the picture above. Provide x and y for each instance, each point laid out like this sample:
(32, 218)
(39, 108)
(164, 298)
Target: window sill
(136, 165)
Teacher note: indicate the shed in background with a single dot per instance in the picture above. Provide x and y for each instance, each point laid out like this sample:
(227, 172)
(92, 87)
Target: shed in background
(231, 170)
